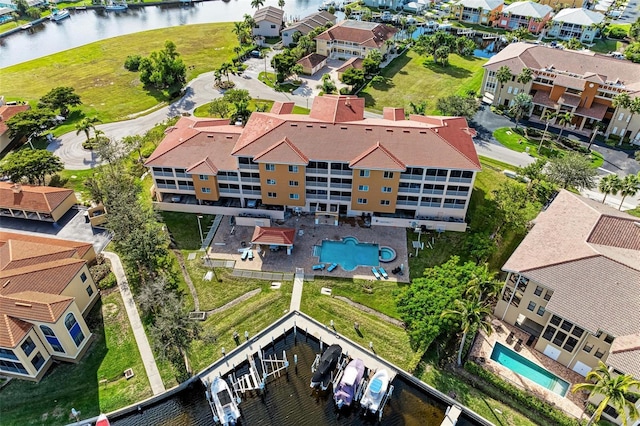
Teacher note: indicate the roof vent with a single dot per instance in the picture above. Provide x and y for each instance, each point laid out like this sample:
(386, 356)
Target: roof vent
(25, 305)
(294, 125)
(390, 130)
(323, 126)
(347, 102)
(343, 127)
(16, 188)
(6, 283)
(406, 131)
(635, 223)
(310, 126)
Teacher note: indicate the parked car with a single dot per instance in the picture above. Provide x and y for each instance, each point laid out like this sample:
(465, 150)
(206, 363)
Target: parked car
(256, 54)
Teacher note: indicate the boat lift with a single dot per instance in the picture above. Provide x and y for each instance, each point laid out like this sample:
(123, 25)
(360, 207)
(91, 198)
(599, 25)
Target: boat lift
(340, 371)
(385, 398)
(271, 366)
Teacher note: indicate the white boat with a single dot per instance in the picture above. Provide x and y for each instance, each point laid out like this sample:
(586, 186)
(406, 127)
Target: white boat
(59, 14)
(375, 392)
(223, 405)
(116, 7)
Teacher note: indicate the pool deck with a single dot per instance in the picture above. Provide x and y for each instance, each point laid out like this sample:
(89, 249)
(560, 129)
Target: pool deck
(228, 246)
(572, 403)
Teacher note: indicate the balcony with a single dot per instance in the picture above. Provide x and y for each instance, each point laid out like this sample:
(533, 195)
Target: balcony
(409, 190)
(341, 172)
(457, 193)
(411, 177)
(318, 171)
(460, 180)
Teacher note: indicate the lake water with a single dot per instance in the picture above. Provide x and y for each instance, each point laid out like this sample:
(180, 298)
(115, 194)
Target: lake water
(88, 26)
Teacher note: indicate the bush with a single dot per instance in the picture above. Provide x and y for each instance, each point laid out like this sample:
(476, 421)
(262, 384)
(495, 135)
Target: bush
(58, 181)
(108, 282)
(510, 392)
(617, 32)
(132, 63)
(345, 91)
(147, 151)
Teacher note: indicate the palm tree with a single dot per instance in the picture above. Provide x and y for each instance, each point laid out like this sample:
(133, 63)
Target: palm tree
(634, 108)
(521, 105)
(573, 44)
(502, 75)
(257, 3)
(86, 125)
(419, 109)
(597, 128)
(525, 76)
(483, 284)
(614, 389)
(281, 4)
(237, 50)
(564, 120)
(609, 185)
(470, 314)
(548, 115)
(225, 67)
(630, 185)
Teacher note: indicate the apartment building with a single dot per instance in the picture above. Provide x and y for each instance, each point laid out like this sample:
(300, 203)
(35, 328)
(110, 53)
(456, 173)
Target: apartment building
(582, 83)
(483, 12)
(46, 293)
(402, 172)
(576, 23)
(352, 38)
(525, 14)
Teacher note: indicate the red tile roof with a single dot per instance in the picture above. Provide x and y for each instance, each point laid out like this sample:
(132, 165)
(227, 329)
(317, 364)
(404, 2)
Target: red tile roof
(12, 331)
(617, 232)
(282, 107)
(51, 277)
(282, 152)
(41, 199)
(35, 306)
(312, 60)
(273, 236)
(8, 111)
(204, 167)
(378, 157)
(363, 33)
(354, 62)
(337, 108)
(81, 248)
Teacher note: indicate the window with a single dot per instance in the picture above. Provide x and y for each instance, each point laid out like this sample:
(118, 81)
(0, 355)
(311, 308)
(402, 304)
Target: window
(362, 201)
(74, 329)
(83, 277)
(570, 344)
(548, 333)
(386, 189)
(541, 311)
(609, 339)
(577, 331)
(12, 367)
(364, 173)
(611, 412)
(28, 346)
(272, 194)
(294, 196)
(538, 291)
(52, 339)
(206, 190)
(89, 290)
(363, 188)
(388, 175)
(555, 320)
(293, 183)
(271, 181)
(7, 354)
(599, 333)
(273, 25)
(547, 295)
(587, 348)
(621, 116)
(559, 339)
(566, 325)
(203, 177)
(385, 202)
(293, 169)
(37, 361)
(531, 306)
(599, 353)
(270, 167)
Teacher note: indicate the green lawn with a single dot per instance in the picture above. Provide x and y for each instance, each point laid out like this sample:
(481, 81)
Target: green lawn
(265, 104)
(414, 78)
(605, 45)
(80, 385)
(184, 230)
(96, 70)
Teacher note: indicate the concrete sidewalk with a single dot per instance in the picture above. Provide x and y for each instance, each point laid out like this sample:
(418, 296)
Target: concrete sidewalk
(148, 359)
(296, 295)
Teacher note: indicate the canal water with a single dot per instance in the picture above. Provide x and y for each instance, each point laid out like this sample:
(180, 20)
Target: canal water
(91, 25)
(290, 401)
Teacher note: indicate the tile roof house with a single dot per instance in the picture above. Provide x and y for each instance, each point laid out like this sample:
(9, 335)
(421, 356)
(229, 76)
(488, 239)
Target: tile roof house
(268, 21)
(306, 25)
(583, 83)
(44, 203)
(6, 112)
(574, 284)
(419, 170)
(525, 14)
(483, 12)
(46, 293)
(576, 23)
(312, 63)
(352, 38)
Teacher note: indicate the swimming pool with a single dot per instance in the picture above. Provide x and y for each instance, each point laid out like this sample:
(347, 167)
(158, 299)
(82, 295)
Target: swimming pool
(529, 370)
(348, 253)
(387, 254)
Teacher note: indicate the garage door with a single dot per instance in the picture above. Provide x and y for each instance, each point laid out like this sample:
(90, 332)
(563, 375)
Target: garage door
(581, 368)
(552, 352)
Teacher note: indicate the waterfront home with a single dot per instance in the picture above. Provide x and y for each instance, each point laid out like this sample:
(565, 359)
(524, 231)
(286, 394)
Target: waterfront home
(525, 14)
(268, 22)
(582, 83)
(46, 293)
(352, 38)
(483, 12)
(401, 172)
(577, 23)
(306, 25)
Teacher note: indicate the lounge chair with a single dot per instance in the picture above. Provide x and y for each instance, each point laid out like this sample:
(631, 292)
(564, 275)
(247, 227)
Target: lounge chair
(383, 273)
(510, 338)
(318, 267)
(250, 254)
(244, 255)
(332, 267)
(518, 346)
(375, 273)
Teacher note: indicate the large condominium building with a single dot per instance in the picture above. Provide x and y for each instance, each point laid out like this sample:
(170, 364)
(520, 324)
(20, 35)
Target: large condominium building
(403, 172)
(46, 291)
(352, 38)
(574, 285)
(581, 83)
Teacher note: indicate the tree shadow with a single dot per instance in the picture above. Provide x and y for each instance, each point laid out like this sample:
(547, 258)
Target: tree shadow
(451, 70)
(396, 66)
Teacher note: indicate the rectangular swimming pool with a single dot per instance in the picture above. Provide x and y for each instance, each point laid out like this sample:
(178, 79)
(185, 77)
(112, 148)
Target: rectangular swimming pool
(348, 253)
(529, 370)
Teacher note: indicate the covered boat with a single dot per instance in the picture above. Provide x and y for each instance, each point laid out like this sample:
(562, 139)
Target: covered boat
(376, 389)
(351, 378)
(102, 420)
(224, 407)
(322, 376)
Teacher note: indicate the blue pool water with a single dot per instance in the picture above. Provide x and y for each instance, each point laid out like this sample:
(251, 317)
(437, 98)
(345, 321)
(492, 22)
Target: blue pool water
(387, 254)
(348, 253)
(529, 370)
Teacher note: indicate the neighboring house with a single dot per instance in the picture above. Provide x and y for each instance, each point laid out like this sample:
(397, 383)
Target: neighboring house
(525, 14)
(306, 25)
(483, 12)
(44, 203)
(6, 14)
(6, 112)
(576, 23)
(415, 6)
(403, 172)
(352, 38)
(582, 83)
(573, 283)
(312, 63)
(268, 21)
(46, 293)
(350, 63)
(560, 4)
(385, 4)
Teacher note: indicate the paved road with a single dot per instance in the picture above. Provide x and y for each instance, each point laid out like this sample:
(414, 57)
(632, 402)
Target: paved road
(157, 386)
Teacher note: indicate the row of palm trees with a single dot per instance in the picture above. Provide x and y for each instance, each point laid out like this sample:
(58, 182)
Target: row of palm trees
(612, 185)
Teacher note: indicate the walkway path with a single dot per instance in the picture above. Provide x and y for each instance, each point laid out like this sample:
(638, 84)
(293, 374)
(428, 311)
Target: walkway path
(296, 295)
(368, 310)
(148, 359)
(187, 279)
(234, 302)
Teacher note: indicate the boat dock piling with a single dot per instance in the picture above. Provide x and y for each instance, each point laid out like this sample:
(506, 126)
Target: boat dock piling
(341, 366)
(385, 398)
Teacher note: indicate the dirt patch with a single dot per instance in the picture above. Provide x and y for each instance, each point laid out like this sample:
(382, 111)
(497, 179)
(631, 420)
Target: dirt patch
(110, 310)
